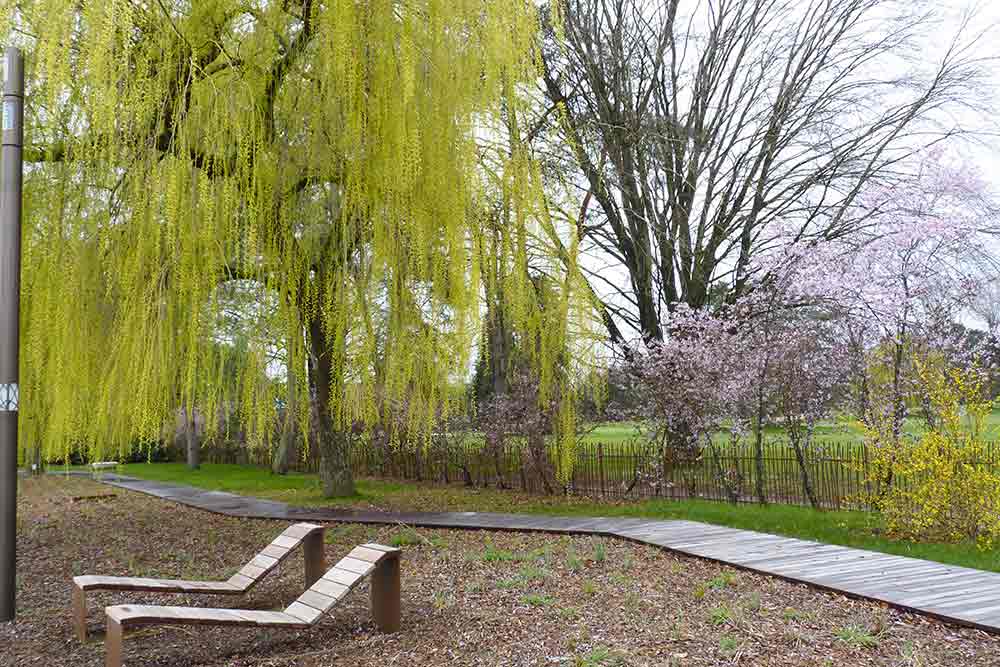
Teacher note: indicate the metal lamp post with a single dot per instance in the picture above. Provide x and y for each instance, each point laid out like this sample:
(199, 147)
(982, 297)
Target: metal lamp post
(10, 300)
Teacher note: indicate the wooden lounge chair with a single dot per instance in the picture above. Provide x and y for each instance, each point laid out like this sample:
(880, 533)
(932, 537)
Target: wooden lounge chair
(310, 536)
(382, 563)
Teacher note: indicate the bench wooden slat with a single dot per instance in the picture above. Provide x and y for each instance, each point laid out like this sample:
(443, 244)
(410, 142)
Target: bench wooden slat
(274, 551)
(316, 600)
(251, 571)
(367, 555)
(285, 541)
(263, 562)
(271, 618)
(355, 565)
(305, 612)
(331, 589)
(300, 530)
(343, 577)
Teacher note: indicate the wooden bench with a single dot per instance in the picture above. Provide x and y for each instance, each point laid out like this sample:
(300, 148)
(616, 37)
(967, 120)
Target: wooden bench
(381, 562)
(310, 536)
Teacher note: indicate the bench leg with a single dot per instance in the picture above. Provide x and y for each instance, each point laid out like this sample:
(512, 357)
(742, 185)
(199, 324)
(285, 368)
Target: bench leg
(113, 644)
(315, 559)
(385, 595)
(79, 610)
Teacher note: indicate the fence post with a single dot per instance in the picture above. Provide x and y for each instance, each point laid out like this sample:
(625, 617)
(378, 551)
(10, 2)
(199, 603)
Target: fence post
(600, 466)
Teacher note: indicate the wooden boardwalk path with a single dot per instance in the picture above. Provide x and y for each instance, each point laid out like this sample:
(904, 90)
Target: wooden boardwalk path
(948, 592)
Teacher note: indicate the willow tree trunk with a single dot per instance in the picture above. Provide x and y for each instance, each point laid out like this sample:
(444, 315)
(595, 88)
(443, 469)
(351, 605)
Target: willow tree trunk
(279, 464)
(335, 472)
(191, 436)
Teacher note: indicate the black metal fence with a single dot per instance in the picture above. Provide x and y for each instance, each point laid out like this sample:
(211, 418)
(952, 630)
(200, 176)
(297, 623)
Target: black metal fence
(839, 472)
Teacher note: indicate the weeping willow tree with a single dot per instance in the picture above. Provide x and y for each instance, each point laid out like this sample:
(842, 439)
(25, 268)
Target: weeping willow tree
(321, 153)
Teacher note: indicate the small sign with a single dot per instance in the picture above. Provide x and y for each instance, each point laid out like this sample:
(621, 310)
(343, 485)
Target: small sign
(9, 114)
(9, 396)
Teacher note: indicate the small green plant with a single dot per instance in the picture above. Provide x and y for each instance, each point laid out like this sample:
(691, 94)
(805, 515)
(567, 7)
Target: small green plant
(569, 613)
(620, 578)
(728, 644)
(493, 555)
(589, 587)
(598, 657)
(600, 553)
(476, 587)
(573, 561)
(410, 538)
(699, 591)
(855, 635)
(721, 615)
(791, 614)
(509, 584)
(752, 602)
(537, 600)
(440, 600)
(532, 572)
(724, 579)
(405, 538)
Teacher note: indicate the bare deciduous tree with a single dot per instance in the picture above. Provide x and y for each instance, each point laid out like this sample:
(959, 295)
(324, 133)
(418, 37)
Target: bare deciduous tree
(707, 132)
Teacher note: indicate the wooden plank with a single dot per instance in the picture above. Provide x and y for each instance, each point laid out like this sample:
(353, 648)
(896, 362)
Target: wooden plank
(304, 612)
(241, 581)
(343, 577)
(274, 551)
(269, 618)
(970, 598)
(821, 568)
(251, 571)
(977, 612)
(367, 555)
(331, 589)
(299, 530)
(355, 565)
(264, 562)
(889, 576)
(316, 600)
(883, 566)
(286, 542)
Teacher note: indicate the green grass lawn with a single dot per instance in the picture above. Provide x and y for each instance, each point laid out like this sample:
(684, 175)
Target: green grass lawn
(855, 529)
(836, 430)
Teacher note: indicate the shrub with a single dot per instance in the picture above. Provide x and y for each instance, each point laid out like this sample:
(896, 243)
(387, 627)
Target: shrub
(944, 488)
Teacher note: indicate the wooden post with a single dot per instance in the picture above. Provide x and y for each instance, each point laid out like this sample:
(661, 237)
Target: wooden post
(600, 466)
(113, 644)
(386, 594)
(314, 556)
(79, 605)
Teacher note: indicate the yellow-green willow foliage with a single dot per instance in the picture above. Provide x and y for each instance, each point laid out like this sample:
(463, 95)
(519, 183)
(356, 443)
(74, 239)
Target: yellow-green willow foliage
(311, 164)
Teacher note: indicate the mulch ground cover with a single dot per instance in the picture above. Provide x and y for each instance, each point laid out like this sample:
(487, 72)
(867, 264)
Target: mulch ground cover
(469, 598)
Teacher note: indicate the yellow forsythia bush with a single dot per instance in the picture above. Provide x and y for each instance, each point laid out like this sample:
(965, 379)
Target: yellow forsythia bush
(944, 487)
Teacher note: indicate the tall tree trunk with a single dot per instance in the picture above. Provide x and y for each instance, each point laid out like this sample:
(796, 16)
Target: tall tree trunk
(796, 437)
(335, 472)
(279, 462)
(758, 458)
(36, 467)
(191, 436)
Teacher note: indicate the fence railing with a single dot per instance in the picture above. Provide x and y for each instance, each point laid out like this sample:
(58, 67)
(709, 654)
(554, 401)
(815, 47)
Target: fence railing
(839, 472)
